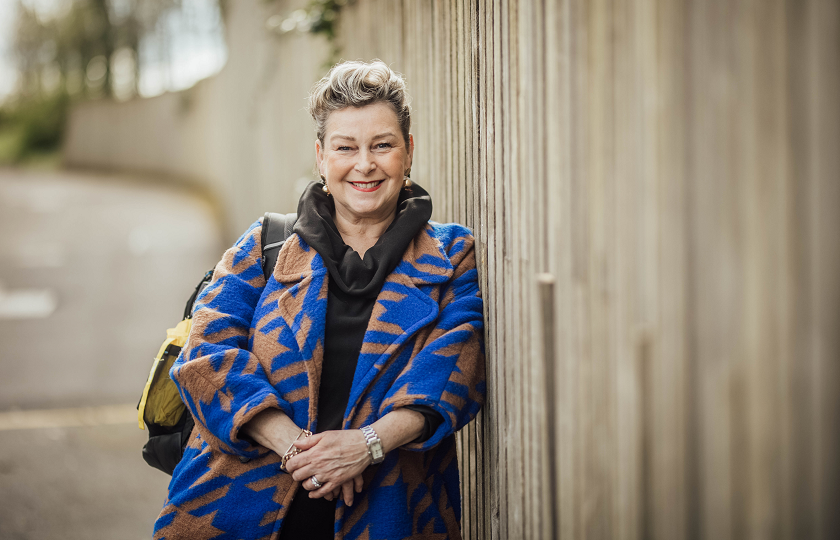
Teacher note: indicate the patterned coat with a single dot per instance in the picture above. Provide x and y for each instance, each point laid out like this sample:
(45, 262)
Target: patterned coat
(257, 345)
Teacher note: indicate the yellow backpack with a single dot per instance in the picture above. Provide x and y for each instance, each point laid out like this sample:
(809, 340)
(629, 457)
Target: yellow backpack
(161, 408)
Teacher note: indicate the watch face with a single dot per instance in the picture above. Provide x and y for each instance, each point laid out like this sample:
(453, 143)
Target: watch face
(376, 451)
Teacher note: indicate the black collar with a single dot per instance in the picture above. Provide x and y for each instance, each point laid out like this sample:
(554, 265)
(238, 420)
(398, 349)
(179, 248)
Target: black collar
(352, 274)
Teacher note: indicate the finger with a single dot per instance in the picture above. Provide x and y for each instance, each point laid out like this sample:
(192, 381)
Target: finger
(294, 466)
(309, 485)
(298, 461)
(325, 489)
(308, 442)
(304, 472)
(359, 483)
(347, 491)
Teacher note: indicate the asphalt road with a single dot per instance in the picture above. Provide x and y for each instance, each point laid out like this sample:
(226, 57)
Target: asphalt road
(93, 269)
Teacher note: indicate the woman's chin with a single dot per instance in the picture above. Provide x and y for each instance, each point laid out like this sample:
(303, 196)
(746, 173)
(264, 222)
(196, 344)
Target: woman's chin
(370, 207)
(365, 212)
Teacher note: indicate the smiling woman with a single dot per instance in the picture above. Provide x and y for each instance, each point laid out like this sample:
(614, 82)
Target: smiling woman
(364, 163)
(346, 372)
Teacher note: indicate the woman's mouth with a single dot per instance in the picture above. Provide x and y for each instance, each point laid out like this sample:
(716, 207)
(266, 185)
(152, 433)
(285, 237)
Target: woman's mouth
(367, 186)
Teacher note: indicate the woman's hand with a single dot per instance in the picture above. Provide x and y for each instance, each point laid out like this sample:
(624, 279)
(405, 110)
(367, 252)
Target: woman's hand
(336, 459)
(347, 490)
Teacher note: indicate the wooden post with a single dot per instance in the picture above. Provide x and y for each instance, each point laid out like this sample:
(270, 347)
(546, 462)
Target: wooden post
(545, 284)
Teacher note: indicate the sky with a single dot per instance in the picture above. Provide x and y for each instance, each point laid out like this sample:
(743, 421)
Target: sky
(7, 68)
(197, 49)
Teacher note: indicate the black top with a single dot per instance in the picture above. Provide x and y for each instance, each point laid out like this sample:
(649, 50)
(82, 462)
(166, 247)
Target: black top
(354, 285)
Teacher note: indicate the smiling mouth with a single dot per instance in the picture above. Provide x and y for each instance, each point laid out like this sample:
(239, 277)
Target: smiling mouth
(366, 186)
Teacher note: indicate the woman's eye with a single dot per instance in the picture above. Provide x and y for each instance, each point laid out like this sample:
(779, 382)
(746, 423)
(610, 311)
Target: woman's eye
(343, 148)
(383, 145)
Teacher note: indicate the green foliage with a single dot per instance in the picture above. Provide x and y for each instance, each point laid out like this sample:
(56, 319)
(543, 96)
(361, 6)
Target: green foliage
(323, 15)
(78, 45)
(319, 17)
(68, 54)
(32, 127)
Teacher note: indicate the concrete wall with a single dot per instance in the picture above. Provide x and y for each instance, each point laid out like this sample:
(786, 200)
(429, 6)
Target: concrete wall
(672, 164)
(243, 133)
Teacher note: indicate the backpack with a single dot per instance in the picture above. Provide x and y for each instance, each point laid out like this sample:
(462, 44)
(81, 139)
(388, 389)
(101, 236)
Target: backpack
(160, 407)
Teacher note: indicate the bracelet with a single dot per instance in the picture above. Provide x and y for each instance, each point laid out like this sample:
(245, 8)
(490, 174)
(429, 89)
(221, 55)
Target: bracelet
(293, 450)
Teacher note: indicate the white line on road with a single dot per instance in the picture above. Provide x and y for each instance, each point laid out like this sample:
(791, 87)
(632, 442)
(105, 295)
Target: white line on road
(64, 418)
(27, 303)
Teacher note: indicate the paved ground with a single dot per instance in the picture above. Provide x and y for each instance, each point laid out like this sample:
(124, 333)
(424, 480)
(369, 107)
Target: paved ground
(92, 271)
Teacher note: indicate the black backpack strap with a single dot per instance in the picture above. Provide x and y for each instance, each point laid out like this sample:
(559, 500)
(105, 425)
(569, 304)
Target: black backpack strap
(200, 287)
(276, 229)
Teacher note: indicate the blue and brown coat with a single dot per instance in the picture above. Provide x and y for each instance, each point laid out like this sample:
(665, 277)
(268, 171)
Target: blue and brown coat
(257, 345)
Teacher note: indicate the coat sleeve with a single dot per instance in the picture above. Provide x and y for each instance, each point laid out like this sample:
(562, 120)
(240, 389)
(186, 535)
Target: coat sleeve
(447, 373)
(220, 380)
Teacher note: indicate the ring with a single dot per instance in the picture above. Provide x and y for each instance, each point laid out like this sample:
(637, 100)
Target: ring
(315, 481)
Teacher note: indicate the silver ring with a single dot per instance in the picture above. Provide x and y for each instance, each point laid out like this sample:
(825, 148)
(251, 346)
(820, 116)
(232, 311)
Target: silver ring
(315, 481)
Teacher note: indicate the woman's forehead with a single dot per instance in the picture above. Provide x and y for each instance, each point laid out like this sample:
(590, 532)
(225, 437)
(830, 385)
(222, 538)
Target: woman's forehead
(369, 121)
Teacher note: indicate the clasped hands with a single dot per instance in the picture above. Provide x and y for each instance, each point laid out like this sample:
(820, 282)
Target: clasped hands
(336, 458)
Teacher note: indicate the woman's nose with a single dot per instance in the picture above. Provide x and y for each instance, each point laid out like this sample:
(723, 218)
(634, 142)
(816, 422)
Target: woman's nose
(365, 163)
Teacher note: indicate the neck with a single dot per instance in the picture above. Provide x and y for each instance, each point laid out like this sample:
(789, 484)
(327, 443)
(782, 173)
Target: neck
(361, 233)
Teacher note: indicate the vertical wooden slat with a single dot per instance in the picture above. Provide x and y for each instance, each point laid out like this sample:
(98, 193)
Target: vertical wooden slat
(494, 414)
(822, 138)
(667, 473)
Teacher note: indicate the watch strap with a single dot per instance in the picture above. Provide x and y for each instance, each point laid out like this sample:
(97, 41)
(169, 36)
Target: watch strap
(374, 445)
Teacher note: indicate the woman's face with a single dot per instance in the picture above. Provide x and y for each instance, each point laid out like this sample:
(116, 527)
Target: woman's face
(364, 159)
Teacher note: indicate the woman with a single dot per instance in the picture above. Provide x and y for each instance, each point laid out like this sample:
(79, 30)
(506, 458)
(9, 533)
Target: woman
(368, 334)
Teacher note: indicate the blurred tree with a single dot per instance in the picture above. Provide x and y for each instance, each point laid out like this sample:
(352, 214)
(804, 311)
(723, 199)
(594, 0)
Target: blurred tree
(80, 49)
(319, 17)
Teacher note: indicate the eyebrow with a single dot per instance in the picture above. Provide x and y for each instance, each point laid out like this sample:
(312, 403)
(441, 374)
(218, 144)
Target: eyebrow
(349, 138)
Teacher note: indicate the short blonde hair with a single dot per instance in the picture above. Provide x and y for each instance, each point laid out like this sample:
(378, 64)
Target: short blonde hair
(356, 84)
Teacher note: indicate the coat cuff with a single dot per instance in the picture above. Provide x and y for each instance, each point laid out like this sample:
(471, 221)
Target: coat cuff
(443, 428)
(432, 419)
(221, 417)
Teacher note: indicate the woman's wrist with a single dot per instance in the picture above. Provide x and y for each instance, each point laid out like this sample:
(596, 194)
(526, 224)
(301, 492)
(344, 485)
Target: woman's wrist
(398, 427)
(273, 429)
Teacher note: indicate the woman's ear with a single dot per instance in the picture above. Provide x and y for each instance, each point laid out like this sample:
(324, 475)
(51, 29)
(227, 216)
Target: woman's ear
(319, 157)
(410, 150)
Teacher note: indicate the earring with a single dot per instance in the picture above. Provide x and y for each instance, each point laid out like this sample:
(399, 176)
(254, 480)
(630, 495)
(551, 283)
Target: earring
(407, 183)
(325, 188)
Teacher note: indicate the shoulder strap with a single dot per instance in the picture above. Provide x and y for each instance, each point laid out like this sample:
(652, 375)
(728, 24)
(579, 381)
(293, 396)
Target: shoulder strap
(276, 229)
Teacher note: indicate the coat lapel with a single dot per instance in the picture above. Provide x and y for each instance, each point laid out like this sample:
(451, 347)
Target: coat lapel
(302, 306)
(403, 307)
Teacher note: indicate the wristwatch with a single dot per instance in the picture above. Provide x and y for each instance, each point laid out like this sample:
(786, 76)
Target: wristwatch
(374, 445)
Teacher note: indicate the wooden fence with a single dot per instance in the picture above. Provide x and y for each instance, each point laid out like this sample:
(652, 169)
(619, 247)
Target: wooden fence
(675, 166)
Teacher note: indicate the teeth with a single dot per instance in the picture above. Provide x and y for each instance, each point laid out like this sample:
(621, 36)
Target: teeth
(366, 184)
